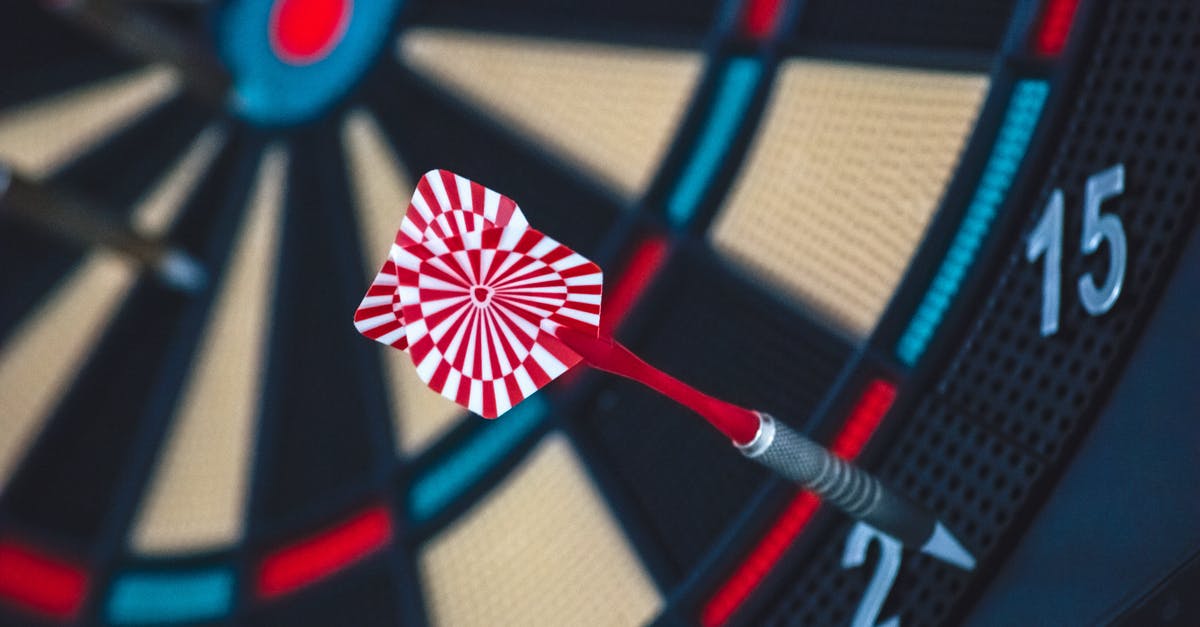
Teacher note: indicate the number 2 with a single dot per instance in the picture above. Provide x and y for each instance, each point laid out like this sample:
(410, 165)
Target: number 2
(885, 573)
(1047, 236)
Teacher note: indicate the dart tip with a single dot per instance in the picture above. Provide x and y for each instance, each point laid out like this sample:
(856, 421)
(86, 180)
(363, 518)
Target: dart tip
(944, 546)
(179, 270)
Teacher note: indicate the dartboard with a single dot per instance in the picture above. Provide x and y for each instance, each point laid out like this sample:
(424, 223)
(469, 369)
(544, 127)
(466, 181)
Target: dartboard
(952, 241)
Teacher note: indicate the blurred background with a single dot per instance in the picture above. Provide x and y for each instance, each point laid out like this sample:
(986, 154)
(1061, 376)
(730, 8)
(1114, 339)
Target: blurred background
(822, 209)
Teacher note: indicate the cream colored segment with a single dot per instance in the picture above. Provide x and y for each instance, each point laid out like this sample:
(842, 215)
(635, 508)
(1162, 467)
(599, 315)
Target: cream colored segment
(157, 212)
(48, 349)
(611, 109)
(380, 183)
(841, 181)
(541, 549)
(39, 137)
(196, 495)
(381, 192)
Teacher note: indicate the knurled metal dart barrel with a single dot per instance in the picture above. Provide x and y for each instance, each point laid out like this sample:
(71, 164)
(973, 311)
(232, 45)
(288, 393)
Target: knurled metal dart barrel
(35, 205)
(853, 490)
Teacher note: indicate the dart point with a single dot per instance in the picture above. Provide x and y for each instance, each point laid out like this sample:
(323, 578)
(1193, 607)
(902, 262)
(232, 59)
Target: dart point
(179, 270)
(944, 546)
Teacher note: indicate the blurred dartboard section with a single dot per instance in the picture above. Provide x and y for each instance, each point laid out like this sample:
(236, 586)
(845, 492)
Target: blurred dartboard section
(953, 241)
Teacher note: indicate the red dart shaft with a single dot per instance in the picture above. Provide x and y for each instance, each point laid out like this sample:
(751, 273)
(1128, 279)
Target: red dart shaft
(604, 353)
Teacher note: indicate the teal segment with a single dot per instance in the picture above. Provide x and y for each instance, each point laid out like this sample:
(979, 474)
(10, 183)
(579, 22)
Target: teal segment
(1024, 109)
(455, 474)
(732, 98)
(270, 91)
(174, 597)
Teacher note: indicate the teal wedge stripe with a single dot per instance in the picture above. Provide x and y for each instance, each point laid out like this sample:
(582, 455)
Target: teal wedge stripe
(732, 98)
(171, 597)
(1024, 110)
(458, 471)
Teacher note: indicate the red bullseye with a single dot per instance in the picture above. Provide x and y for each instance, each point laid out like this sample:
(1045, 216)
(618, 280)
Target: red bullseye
(303, 32)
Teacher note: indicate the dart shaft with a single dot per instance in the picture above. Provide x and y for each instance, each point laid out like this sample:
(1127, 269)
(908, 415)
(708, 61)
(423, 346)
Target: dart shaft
(151, 39)
(33, 204)
(737, 423)
(851, 489)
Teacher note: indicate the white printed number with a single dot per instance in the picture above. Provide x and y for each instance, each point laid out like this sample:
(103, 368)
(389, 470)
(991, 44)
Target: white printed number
(881, 582)
(1047, 240)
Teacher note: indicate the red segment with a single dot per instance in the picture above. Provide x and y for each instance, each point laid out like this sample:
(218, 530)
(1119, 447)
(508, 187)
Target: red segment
(450, 184)
(559, 252)
(761, 559)
(849, 442)
(489, 400)
(463, 395)
(560, 351)
(498, 346)
(506, 210)
(41, 583)
(530, 239)
(421, 348)
(760, 18)
(475, 258)
(490, 240)
(496, 321)
(1057, 17)
(440, 375)
(303, 32)
(864, 419)
(324, 553)
(513, 389)
(582, 307)
(477, 198)
(579, 271)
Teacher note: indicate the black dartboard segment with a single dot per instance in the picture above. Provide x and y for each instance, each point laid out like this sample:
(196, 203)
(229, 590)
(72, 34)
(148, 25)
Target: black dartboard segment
(978, 27)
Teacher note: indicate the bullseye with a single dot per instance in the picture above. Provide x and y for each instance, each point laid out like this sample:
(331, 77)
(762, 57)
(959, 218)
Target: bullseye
(291, 59)
(303, 32)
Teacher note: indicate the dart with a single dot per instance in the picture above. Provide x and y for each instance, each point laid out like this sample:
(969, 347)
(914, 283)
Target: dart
(42, 208)
(491, 310)
(152, 39)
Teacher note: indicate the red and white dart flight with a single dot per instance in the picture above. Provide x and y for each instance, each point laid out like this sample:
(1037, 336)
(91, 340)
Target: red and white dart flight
(491, 310)
(481, 310)
(444, 204)
(474, 294)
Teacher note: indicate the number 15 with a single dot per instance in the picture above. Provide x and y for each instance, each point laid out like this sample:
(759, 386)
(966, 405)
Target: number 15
(1047, 238)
